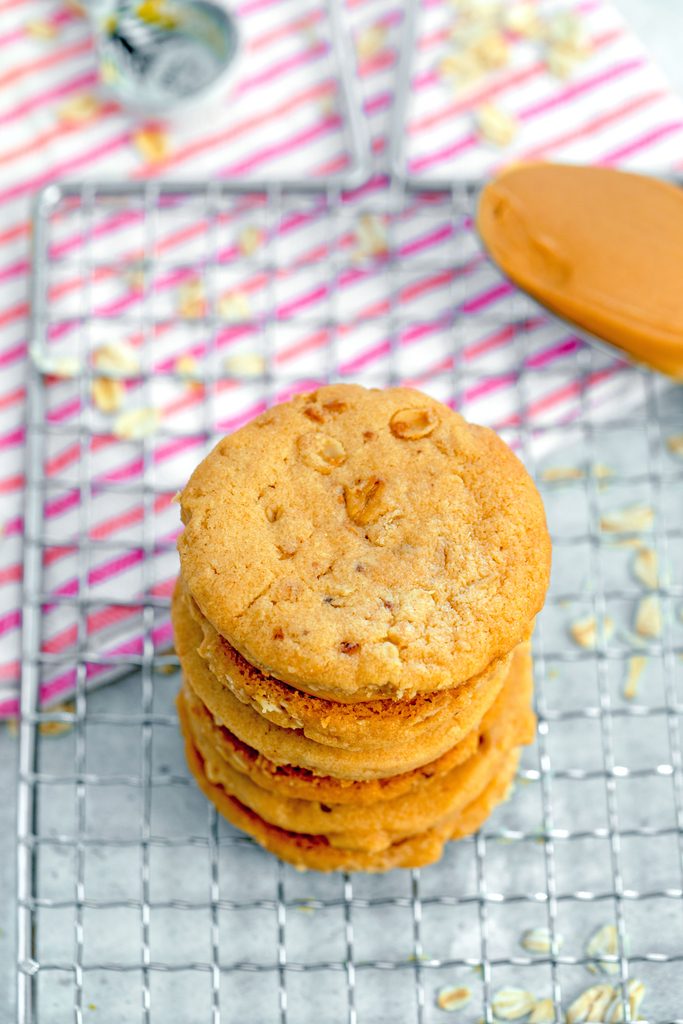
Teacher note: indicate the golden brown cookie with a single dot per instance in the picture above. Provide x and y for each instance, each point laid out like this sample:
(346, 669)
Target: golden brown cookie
(306, 851)
(361, 544)
(445, 716)
(291, 746)
(286, 780)
(375, 826)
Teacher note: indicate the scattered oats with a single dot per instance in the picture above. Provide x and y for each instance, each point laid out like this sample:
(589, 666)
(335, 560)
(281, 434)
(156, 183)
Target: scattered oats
(250, 240)
(463, 67)
(591, 1005)
(474, 19)
(108, 394)
(539, 940)
(116, 357)
(565, 28)
(635, 992)
(305, 907)
(371, 235)
(562, 61)
(451, 999)
(58, 728)
(192, 299)
(92, 1006)
(543, 1012)
(152, 144)
(556, 473)
(492, 50)
(646, 567)
(421, 958)
(79, 109)
(632, 519)
(187, 367)
(134, 277)
(553, 674)
(649, 617)
(512, 1003)
(584, 632)
(370, 41)
(136, 424)
(109, 73)
(13, 727)
(522, 19)
(327, 104)
(245, 364)
(496, 125)
(57, 366)
(604, 942)
(636, 666)
(39, 29)
(601, 471)
(675, 444)
(234, 306)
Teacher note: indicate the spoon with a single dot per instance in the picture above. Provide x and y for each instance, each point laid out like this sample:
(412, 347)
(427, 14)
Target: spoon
(602, 249)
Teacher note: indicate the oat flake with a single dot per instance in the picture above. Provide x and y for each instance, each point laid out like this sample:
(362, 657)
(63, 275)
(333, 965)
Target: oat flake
(633, 519)
(539, 940)
(646, 567)
(604, 942)
(496, 125)
(584, 632)
(452, 998)
(591, 1005)
(543, 1012)
(649, 617)
(636, 666)
(512, 1003)
(136, 424)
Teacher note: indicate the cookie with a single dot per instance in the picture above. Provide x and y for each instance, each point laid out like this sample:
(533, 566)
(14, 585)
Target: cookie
(363, 544)
(445, 716)
(290, 746)
(375, 826)
(309, 851)
(289, 781)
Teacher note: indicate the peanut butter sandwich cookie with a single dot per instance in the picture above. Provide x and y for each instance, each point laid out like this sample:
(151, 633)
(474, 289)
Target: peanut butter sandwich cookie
(430, 719)
(375, 825)
(292, 746)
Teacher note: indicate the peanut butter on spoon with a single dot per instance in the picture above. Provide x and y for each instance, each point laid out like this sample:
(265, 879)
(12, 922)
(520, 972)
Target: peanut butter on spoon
(600, 248)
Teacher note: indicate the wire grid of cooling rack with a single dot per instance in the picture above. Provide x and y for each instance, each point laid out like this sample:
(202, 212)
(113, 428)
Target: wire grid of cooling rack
(136, 901)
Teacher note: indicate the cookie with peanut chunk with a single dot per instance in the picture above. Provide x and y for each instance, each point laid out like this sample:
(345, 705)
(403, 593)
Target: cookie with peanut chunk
(316, 852)
(362, 544)
(294, 747)
(379, 816)
(430, 721)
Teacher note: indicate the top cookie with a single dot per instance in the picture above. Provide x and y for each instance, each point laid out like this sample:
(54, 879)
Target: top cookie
(361, 544)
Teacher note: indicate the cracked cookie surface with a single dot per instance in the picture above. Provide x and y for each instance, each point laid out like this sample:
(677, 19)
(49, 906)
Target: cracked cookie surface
(360, 544)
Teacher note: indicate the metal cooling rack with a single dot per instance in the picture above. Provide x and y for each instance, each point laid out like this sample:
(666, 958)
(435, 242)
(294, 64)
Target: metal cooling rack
(136, 902)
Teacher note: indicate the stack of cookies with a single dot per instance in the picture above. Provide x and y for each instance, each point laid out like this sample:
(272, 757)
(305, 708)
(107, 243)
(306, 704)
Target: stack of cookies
(360, 573)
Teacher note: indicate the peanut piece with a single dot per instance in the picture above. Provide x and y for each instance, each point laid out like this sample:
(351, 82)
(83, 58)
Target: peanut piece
(364, 502)
(320, 452)
(412, 424)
